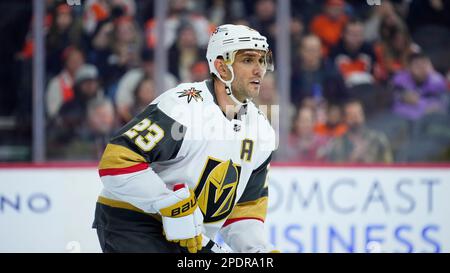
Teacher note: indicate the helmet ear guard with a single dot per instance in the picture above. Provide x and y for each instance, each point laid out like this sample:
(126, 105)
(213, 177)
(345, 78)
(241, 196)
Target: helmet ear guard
(222, 68)
(229, 57)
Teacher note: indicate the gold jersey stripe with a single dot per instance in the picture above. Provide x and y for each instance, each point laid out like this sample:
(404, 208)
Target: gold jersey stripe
(252, 209)
(117, 204)
(124, 205)
(117, 156)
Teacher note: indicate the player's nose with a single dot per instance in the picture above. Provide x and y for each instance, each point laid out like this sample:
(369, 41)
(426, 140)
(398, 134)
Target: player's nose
(258, 70)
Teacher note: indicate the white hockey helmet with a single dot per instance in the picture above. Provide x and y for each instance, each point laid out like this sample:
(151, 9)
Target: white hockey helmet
(226, 40)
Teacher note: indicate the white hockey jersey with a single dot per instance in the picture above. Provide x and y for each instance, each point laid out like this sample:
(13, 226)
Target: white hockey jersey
(184, 137)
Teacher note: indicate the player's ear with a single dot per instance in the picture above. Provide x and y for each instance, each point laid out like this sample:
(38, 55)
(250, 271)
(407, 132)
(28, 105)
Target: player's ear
(221, 68)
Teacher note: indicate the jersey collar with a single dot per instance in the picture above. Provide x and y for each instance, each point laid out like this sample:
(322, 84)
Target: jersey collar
(238, 115)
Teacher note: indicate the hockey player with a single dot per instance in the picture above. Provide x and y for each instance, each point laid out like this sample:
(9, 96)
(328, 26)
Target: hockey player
(195, 161)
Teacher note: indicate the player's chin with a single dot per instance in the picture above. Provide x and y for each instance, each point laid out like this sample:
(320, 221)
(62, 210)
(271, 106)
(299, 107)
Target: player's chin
(253, 91)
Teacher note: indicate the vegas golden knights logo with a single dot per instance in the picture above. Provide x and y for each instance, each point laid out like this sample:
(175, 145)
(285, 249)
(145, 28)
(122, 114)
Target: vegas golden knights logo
(216, 190)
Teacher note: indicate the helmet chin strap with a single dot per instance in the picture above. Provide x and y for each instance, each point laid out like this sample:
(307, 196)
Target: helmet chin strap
(228, 88)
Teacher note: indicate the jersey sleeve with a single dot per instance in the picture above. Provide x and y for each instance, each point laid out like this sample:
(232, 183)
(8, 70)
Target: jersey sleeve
(149, 137)
(243, 231)
(124, 169)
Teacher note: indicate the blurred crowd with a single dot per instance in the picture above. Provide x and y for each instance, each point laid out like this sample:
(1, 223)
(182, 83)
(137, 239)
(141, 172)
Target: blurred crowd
(369, 83)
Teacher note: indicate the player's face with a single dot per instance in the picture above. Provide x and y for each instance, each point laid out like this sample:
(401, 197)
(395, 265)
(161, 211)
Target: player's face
(249, 69)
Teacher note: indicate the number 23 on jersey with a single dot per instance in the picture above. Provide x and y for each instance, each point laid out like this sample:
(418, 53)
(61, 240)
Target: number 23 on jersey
(148, 141)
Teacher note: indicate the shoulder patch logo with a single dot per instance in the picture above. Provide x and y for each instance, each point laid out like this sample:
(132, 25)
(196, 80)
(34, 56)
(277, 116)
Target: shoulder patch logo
(191, 93)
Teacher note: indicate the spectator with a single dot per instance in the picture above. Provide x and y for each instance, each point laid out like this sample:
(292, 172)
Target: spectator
(392, 50)
(217, 10)
(143, 95)
(360, 144)
(65, 30)
(127, 84)
(124, 53)
(73, 113)
(319, 108)
(100, 45)
(184, 52)
(60, 88)
(333, 126)
(419, 89)
(92, 135)
(179, 13)
(329, 24)
(97, 11)
(263, 20)
(304, 144)
(353, 58)
(297, 32)
(112, 41)
(127, 35)
(312, 77)
(373, 24)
